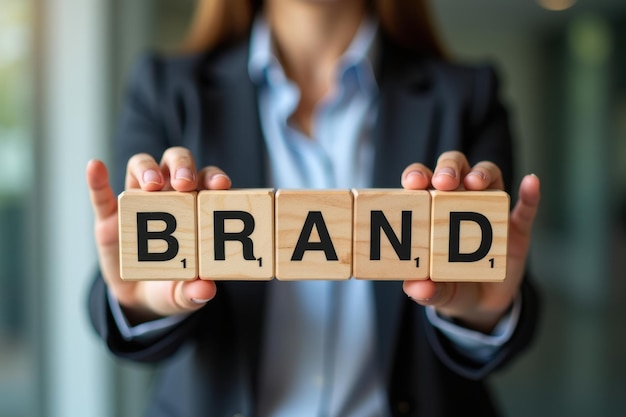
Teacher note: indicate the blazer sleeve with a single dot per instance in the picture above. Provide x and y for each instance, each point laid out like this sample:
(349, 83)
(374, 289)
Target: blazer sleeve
(521, 338)
(142, 128)
(487, 136)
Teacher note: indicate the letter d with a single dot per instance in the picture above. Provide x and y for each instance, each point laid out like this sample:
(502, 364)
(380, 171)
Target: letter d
(454, 254)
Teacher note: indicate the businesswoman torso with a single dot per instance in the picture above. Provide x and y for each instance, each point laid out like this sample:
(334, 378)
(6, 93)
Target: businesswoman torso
(206, 102)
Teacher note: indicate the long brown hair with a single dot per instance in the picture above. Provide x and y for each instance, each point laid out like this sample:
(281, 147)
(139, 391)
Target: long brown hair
(406, 22)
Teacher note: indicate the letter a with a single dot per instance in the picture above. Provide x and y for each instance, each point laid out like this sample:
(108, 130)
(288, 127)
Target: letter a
(314, 218)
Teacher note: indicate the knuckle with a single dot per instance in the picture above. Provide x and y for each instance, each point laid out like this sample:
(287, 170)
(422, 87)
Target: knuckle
(451, 155)
(140, 159)
(488, 165)
(453, 159)
(177, 154)
(184, 160)
(213, 169)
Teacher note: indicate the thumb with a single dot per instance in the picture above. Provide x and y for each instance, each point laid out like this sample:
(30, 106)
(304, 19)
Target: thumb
(525, 211)
(103, 200)
(166, 298)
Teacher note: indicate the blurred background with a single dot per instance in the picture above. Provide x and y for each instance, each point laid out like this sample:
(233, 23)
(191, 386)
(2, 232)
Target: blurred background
(63, 64)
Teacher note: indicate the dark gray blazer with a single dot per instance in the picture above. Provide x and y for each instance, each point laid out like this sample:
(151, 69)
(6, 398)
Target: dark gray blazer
(208, 104)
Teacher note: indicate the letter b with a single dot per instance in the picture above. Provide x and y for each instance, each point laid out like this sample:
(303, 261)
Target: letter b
(157, 235)
(144, 236)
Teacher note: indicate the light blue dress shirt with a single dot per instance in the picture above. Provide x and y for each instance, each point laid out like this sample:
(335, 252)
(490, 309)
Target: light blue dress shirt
(319, 346)
(320, 357)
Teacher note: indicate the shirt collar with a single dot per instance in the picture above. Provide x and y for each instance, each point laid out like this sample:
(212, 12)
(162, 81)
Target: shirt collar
(360, 55)
(261, 50)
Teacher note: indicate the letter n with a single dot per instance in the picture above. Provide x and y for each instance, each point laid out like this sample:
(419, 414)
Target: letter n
(401, 246)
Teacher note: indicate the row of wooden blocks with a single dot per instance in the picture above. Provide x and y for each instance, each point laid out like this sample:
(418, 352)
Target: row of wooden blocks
(259, 234)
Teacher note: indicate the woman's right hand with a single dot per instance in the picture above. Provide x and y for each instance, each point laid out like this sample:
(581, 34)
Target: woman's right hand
(148, 300)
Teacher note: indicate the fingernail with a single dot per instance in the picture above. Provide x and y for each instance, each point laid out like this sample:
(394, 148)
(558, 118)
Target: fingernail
(200, 300)
(415, 174)
(446, 171)
(184, 174)
(151, 177)
(478, 174)
(216, 176)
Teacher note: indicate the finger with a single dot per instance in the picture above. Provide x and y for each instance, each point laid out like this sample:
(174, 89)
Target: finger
(462, 301)
(451, 167)
(195, 293)
(166, 298)
(452, 298)
(179, 168)
(482, 176)
(525, 211)
(143, 172)
(101, 194)
(213, 178)
(416, 177)
(429, 293)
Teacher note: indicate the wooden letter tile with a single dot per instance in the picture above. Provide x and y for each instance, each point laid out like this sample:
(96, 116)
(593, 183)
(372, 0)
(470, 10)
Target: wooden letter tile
(236, 234)
(469, 235)
(157, 233)
(313, 234)
(391, 234)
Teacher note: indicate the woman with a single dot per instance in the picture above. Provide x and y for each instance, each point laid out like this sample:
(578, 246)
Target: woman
(314, 94)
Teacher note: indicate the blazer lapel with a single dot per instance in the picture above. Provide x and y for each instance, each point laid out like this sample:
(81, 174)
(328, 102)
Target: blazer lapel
(234, 142)
(404, 134)
(233, 138)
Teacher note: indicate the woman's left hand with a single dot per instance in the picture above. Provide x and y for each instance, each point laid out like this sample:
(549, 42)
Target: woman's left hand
(476, 305)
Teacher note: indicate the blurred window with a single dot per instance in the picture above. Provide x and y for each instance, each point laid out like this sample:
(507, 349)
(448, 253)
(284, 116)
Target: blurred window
(17, 364)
